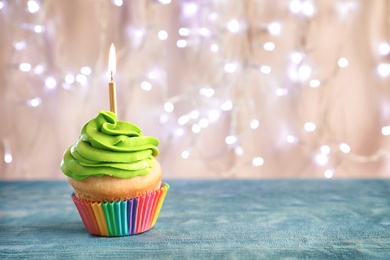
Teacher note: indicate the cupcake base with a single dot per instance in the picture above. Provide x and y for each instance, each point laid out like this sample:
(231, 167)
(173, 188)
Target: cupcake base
(122, 218)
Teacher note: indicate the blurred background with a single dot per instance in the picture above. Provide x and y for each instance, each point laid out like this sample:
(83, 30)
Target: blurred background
(233, 89)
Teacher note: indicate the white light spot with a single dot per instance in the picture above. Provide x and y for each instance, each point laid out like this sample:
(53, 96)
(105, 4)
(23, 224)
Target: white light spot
(343, 62)
(281, 92)
(196, 128)
(153, 74)
(233, 26)
(230, 67)
(238, 150)
(325, 149)
(164, 119)
(185, 154)
(295, 6)
(204, 32)
(296, 57)
(39, 28)
(231, 139)
(181, 43)
(117, 2)
(25, 67)
(32, 6)
(345, 148)
(86, 70)
(254, 123)
(274, 28)
(265, 69)
(184, 31)
(169, 107)
(329, 173)
(310, 127)
(165, 2)
(308, 8)
(189, 9)
(20, 45)
(207, 92)
(258, 161)
(227, 105)
(213, 115)
(69, 78)
(8, 157)
(35, 102)
(314, 83)
(183, 120)
(269, 46)
(291, 139)
(139, 33)
(203, 123)
(386, 130)
(145, 85)
(50, 83)
(383, 69)
(384, 48)
(39, 69)
(304, 72)
(214, 47)
(180, 132)
(162, 35)
(194, 114)
(322, 159)
(82, 79)
(1, 5)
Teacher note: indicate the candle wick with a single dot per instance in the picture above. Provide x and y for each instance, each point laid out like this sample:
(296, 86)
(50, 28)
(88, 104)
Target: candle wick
(112, 76)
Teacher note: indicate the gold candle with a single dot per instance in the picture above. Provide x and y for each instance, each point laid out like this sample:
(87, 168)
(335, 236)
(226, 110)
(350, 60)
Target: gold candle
(111, 85)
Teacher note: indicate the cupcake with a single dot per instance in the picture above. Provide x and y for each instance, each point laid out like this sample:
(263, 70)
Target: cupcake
(116, 179)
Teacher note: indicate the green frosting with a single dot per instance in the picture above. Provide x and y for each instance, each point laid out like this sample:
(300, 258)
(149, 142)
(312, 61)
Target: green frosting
(107, 146)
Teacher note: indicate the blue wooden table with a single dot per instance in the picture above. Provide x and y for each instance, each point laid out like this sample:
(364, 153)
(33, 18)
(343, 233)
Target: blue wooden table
(230, 219)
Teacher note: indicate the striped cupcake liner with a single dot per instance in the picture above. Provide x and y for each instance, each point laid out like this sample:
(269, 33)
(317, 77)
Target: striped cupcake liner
(122, 218)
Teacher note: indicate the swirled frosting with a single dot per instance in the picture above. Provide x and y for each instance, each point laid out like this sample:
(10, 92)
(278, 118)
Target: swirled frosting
(107, 146)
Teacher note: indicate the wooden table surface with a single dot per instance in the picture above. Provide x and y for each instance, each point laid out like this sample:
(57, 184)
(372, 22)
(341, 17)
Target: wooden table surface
(221, 219)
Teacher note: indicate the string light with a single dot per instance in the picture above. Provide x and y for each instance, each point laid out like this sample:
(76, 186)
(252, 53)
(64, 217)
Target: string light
(212, 97)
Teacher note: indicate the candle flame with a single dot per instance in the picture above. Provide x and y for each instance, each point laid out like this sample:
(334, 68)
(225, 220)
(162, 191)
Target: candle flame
(112, 61)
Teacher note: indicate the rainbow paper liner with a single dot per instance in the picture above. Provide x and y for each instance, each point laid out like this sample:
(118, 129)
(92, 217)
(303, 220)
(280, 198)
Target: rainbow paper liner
(122, 218)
